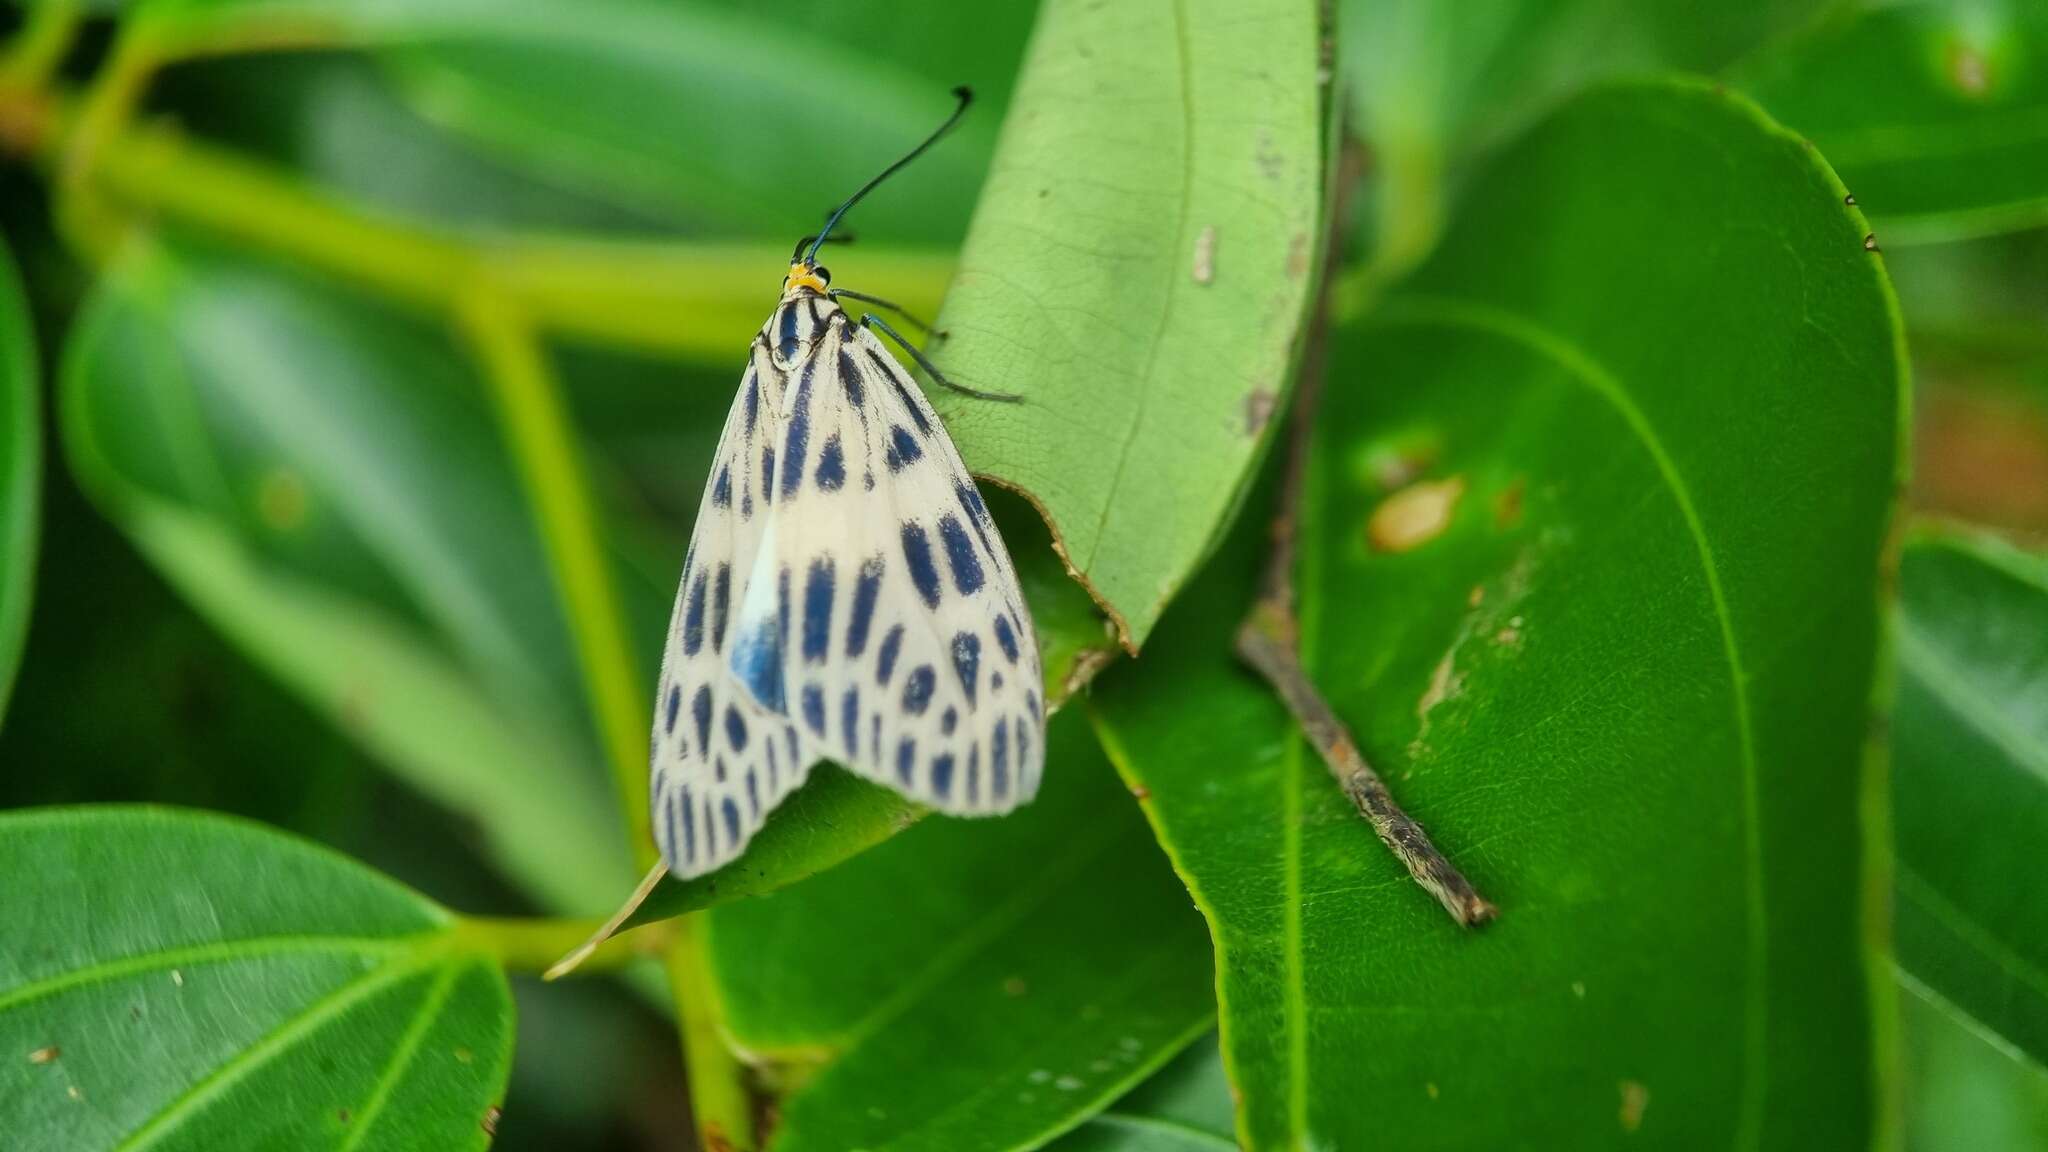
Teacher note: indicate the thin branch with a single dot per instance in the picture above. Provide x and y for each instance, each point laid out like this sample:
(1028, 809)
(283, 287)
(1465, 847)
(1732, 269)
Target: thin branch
(719, 1095)
(530, 945)
(665, 297)
(1270, 641)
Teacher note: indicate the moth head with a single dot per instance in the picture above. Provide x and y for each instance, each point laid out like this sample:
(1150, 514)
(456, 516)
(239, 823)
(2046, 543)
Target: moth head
(804, 274)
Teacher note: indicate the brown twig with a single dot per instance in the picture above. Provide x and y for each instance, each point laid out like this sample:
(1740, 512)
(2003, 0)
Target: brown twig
(1269, 640)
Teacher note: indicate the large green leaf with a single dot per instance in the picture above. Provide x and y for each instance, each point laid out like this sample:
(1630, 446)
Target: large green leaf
(1932, 112)
(1965, 1088)
(1626, 683)
(1970, 785)
(982, 984)
(1137, 273)
(21, 467)
(1184, 1107)
(1433, 86)
(738, 116)
(727, 115)
(322, 482)
(173, 980)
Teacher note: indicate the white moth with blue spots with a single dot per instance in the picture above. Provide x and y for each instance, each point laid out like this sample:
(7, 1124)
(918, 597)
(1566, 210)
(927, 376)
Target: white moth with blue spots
(846, 596)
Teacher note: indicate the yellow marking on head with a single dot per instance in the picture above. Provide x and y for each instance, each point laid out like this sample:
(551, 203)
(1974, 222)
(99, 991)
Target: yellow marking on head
(803, 274)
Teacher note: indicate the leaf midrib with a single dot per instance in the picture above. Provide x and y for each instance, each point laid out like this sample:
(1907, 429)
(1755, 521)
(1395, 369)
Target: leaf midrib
(294, 1028)
(1579, 365)
(200, 954)
(1148, 379)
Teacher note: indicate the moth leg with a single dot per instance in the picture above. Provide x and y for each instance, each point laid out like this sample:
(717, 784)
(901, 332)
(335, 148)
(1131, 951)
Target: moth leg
(870, 320)
(891, 305)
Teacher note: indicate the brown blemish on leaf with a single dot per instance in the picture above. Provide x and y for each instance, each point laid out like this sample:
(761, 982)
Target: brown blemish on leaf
(1015, 986)
(1507, 507)
(490, 1121)
(1141, 793)
(1297, 256)
(44, 1055)
(1258, 410)
(1476, 597)
(1968, 70)
(1870, 242)
(1635, 1098)
(1981, 453)
(1415, 515)
(281, 500)
(342, 1115)
(1444, 683)
(1205, 255)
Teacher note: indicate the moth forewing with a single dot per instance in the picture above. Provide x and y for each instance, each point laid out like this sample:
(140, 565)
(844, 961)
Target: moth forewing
(846, 597)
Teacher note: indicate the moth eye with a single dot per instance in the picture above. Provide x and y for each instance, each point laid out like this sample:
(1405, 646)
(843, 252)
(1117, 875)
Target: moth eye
(822, 273)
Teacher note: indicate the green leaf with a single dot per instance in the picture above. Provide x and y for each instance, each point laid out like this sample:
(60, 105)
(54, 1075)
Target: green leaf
(1965, 1087)
(21, 468)
(982, 984)
(322, 482)
(1970, 782)
(1184, 1107)
(178, 980)
(1434, 86)
(1625, 684)
(1931, 112)
(726, 115)
(735, 116)
(1137, 272)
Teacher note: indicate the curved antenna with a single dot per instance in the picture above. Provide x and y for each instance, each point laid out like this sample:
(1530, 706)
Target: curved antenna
(820, 238)
(966, 97)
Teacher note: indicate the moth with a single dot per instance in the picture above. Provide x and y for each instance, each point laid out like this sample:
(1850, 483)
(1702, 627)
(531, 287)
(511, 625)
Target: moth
(846, 596)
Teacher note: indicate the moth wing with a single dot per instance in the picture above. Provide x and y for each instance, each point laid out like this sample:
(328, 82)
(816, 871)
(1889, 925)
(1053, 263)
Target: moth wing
(720, 760)
(911, 657)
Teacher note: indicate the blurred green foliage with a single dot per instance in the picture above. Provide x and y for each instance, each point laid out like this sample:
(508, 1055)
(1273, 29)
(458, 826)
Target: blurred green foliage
(364, 369)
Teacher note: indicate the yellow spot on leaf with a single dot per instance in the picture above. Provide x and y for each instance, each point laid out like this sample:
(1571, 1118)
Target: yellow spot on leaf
(1635, 1098)
(1415, 515)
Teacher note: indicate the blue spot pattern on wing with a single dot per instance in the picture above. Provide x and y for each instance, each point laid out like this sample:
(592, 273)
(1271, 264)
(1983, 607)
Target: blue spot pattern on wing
(866, 588)
(814, 710)
(885, 659)
(903, 448)
(917, 690)
(831, 465)
(819, 585)
(960, 557)
(967, 662)
(917, 553)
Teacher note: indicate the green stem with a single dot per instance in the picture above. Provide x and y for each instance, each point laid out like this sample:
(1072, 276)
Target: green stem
(532, 945)
(35, 54)
(539, 433)
(537, 424)
(718, 1088)
(665, 297)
